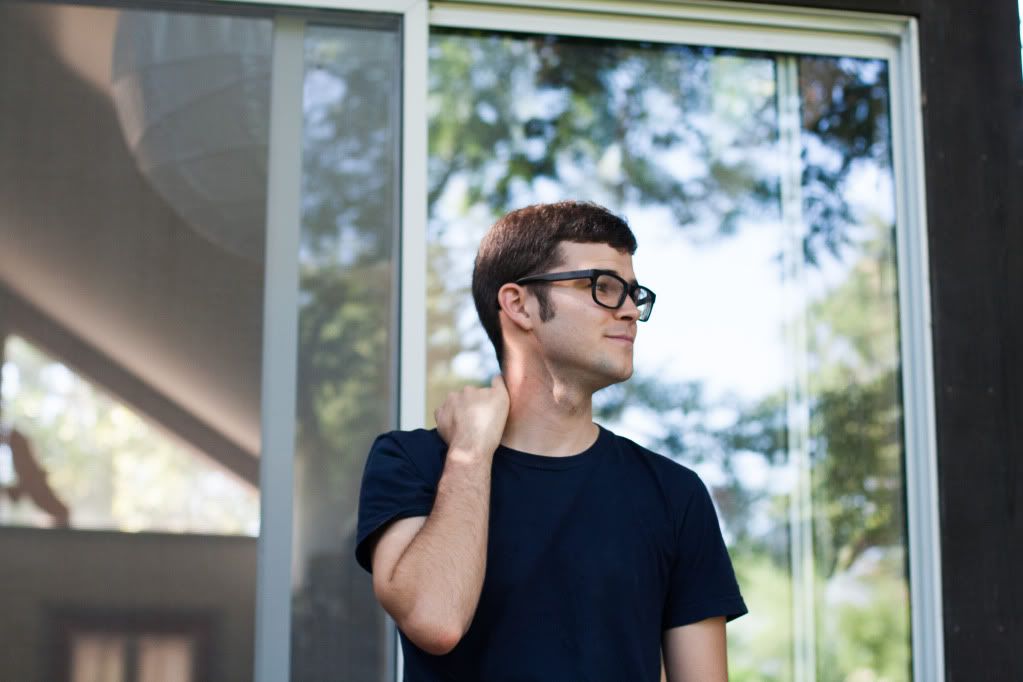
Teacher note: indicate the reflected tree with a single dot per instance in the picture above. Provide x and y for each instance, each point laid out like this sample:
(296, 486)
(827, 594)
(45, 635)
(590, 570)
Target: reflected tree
(613, 119)
(845, 123)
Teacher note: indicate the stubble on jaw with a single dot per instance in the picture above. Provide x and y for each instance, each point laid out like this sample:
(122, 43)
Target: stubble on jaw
(611, 370)
(595, 366)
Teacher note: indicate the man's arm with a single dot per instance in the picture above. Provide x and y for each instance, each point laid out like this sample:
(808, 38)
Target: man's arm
(696, 652)
(428, 571)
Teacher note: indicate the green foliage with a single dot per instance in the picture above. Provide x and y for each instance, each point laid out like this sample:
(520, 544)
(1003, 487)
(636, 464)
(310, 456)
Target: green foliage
(845, 122)
(862, 626)
(760, 643)
(610, 113)
(347, 273)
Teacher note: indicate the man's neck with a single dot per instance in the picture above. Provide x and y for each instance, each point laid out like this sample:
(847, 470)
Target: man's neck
(547, 416)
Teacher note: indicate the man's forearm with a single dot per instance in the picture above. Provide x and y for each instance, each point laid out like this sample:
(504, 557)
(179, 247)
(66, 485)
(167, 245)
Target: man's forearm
(436, 583)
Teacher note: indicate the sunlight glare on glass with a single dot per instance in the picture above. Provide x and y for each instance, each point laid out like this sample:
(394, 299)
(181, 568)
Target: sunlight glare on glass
(9, 380)
(112, 467)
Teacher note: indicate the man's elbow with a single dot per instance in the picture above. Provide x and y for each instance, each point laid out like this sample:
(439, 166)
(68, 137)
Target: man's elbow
(433, 638)
(432, 632)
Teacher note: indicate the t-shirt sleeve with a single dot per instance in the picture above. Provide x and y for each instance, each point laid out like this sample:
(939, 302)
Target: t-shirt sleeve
(702, 583)
(392, 488)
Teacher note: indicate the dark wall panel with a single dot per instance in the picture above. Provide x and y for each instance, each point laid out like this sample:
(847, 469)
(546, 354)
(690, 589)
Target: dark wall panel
(973, 127)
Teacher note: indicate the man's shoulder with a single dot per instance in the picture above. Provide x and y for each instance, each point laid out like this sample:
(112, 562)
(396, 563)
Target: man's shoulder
(424, 448)
(414, 438)
(666, 468)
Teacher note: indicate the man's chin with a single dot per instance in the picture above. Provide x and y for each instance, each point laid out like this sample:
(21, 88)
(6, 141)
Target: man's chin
(625, 374)
(612, 378)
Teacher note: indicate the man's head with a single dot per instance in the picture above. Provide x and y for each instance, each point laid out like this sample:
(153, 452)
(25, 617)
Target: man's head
(528, 242)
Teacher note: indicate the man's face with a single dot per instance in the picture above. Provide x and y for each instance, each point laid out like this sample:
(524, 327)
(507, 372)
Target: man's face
(584, 342)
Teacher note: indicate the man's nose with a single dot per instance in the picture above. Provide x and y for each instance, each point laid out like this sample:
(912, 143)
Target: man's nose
(628, 310)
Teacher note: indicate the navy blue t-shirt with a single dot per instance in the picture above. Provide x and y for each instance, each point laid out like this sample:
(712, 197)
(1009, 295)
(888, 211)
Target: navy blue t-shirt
(589, 558)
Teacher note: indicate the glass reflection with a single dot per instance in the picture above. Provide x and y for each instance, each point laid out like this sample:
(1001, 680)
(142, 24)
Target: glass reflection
(346, 369)
(688, 143)
(855, 426)
(132, 191)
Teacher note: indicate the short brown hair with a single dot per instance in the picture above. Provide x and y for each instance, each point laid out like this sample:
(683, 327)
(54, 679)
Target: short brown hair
(527, 242)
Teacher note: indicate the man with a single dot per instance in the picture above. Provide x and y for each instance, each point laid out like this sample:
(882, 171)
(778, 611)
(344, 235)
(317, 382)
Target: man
(521, 541)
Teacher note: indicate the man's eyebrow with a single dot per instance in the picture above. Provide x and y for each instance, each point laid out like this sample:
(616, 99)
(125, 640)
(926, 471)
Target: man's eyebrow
(630, 281)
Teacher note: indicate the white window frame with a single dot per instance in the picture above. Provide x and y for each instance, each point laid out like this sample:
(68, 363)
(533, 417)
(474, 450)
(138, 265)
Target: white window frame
(722, 24)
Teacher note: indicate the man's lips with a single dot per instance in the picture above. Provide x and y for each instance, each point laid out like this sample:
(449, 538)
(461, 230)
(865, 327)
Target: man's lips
(623, 337)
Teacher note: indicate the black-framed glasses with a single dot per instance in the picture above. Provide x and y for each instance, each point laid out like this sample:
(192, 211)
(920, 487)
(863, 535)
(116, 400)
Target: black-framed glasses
(608, 288)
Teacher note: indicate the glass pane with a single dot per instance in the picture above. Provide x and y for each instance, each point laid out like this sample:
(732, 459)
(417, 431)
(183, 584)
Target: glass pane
(132, 200)
(347, 339)
(853, 380)
(700, 149)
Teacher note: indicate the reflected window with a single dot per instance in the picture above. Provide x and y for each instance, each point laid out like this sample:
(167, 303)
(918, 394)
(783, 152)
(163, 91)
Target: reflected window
(103, 657)
(131, 646)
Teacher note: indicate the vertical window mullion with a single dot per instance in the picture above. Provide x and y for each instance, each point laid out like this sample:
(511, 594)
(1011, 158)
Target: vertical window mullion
(280, 352)
(413, 257)
(412, 408)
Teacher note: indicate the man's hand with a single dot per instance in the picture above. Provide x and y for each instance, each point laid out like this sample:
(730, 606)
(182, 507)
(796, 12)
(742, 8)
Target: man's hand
(471, 421)
(428, 571)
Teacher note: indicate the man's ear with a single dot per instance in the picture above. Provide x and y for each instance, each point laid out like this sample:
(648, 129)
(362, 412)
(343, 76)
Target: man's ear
(513, 300)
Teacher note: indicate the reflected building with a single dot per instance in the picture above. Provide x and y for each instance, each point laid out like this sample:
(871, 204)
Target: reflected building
(131, 348)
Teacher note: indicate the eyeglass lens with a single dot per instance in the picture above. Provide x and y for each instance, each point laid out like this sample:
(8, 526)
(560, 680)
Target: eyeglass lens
(611, 291)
